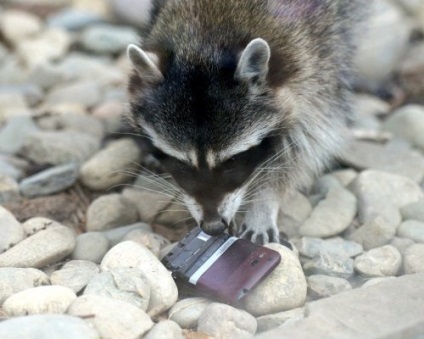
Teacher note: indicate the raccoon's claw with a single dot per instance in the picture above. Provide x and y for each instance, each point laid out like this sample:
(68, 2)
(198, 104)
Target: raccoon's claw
(260, 236)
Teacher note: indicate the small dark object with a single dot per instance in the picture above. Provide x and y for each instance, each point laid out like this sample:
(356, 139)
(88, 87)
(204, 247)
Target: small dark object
(224, 267)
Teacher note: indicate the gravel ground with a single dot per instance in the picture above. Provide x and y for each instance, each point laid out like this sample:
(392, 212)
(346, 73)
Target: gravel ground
(84, 219)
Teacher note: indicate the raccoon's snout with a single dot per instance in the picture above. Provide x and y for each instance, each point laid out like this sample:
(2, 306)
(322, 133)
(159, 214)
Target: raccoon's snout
(214, 227)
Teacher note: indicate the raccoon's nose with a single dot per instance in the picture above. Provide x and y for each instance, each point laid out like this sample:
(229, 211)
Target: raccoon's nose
(214, 227)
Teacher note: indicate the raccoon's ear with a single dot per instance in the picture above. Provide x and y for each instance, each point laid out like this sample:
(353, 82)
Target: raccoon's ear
(145, 64)
(253, 62)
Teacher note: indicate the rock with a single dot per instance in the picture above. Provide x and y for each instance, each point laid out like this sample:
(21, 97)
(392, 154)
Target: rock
(47, 75)
(109, 211)
(75, 274)
(9, 189)
(407, 123)
(12, 104)
(154, 242)
(128, 284)
(9, 168)
(311, 247)
(39, 300)
(112, 318)
(329, 264)
(322, 286)
(282, 290)
(271, 321)
(125, 11)
(103, 38)
(345, 176)
(113, 165)
(412, 229)
(47, 326)
(325, 183)
(129, 254)
(379, 262)
(73, 19)
(382, 194)
(41, 249)
(59, 147)
(84, 92)
(223, 321)
(401, 244)
(37, 224)
(110, 114)
(186, 312)
(332, 215)
(115, 235)
(14, 134)
(19, 25)
(374, 233)
(91, 246)
(369, 105)
(413, 259)
(164, 251)
(165, 329)
(52, 180)
(375, 281)
(32, 93)
(413, 211)
(11, 231)
(293, 212)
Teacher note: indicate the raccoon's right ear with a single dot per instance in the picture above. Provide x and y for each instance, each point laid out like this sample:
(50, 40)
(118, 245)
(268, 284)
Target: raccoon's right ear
(145, 64)
(253, 62)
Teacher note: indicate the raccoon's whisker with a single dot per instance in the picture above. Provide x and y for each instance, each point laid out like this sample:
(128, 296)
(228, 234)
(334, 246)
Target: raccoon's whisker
(140, 188)
(181, 220)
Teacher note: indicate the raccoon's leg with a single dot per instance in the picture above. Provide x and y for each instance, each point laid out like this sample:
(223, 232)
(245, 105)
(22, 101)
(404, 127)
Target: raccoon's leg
(260, 221)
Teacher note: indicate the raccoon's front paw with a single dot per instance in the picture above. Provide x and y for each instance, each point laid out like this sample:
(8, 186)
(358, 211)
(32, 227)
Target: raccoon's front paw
(259, 234)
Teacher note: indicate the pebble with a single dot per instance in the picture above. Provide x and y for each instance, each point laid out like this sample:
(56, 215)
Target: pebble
(413, 259)
(329, 264)
(59, 147)
(270, 321)
(174, 215)
(382, 194)
(165, 329)
(379, 262)
(224, 321)
(84, 92)
(128, 284)
(8, 168)
(39, 300)
(322, 286)
(9, 189)
(75, 274)
(14, 134)
(113, 165)
(376, 281)
(135, 13)
(115, 235)
(47, 326)
(109, 211)
(325, 183)
(73, 19)
(374, 233)
(345, 176)
(91, 246)
(52, 180)
(369, 105)
(332, 215)
(107, 39)
(41, 249)
(112, 318)
(311, 247)
(413, 211)
(293, 212)
(412, 229)
(32, 93)
(11, 231)
(14, 280)
(186, 312)
(154, 242)
(402, 244)
(110, 114)
(130, 254)
(18, 25)
(283, 289)
(37, 224)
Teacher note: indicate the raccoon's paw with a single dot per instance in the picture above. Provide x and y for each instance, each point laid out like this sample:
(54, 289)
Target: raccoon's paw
(259, 234)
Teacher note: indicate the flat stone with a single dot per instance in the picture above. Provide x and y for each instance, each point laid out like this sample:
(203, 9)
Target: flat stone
(42, 249)
(32, 93)
(19, 25)
(37, 224)
(8, 168)
(73, 19)
(345, 176)
(379, 262)
(9, 189)
(75, 274)
(85, 92)
(165, 329)
(413, 211)
(366, 105)
(39, 300)
(376, 281)
(412, 229)
(91, 246)
(11, 231)
(115, 235)
(413, 259)
(402, 244)
(293, 212)
(224, 321)
(125, 11)
(322, 286)
(110, 114)
(374, 233)
(52, 180)
(311, 247)
(329, 264)
(14, 133)
(154, 242)
(271, 321)
(112, 318)
(186, 312)
(47, 326)
(367, 311)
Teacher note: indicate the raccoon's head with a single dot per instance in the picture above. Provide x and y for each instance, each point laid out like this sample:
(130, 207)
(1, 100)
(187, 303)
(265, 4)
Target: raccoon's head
(212, 121)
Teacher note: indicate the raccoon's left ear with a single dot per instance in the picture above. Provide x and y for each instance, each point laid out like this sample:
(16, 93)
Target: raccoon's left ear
(253, 62)
(145, 64)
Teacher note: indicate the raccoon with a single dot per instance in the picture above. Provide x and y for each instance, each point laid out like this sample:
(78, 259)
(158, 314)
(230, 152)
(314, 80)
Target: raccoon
(244, 101)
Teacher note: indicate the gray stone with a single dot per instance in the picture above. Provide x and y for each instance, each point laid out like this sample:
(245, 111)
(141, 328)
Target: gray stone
(39, 300)
(11, 231)
(9, 189)
(41, 249)
(413, 259)
(73, 19)
(75, 274)
(32, 93)
(293, 212)
(112, 318)
(322, 286)
(379, 262)
(91, 246)
(47, 75)
(375, 281)
(14, 280)
(283, 289)
(368, 313)
(402, 244)
(110, 114)
(37, 224)
(368, 105)
(165, 329)
(154, 242)
(109, 211)
(413, 211)
(18, 25)
(412, 229)
(115, 235)
(14, 134)
(311, 247)
(374, 233)
(113, 165)
(382, 194)
(174, 215)
(52, 180)
(60, 147)
(332, 215)
(224, 321)
(133, 13)
(85, 92)
(47, 326)
(7, 168)
(128, 284)
(329, 264)
(271, 321)
(325, 183)
(186, 312)
(345, 176)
